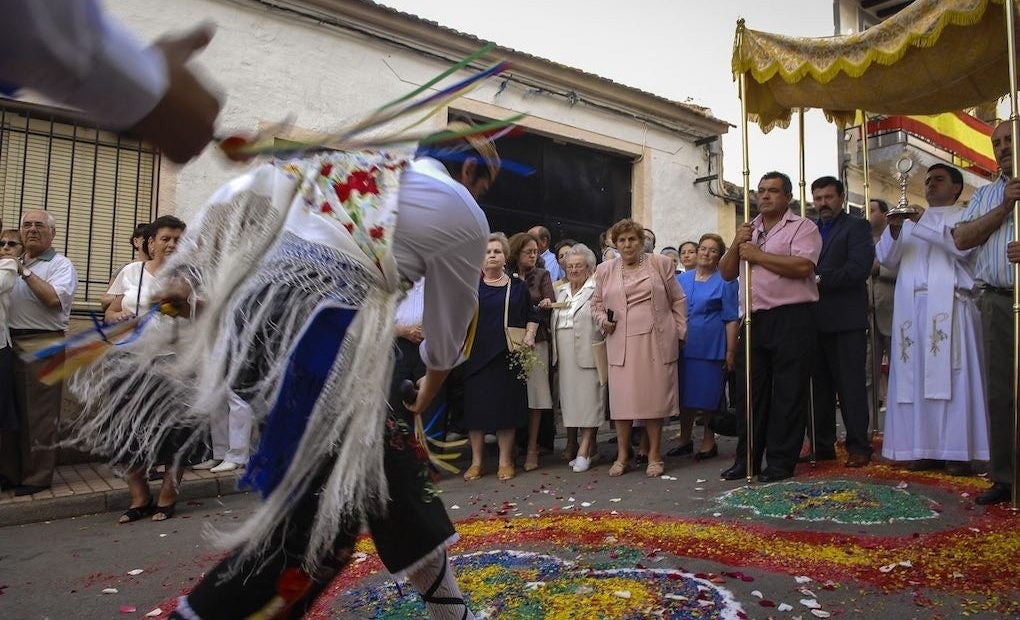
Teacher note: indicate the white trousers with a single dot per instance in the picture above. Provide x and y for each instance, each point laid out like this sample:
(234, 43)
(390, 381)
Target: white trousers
(231, 434)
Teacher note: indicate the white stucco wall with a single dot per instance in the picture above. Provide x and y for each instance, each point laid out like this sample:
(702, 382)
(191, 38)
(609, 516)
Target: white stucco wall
(271, 65)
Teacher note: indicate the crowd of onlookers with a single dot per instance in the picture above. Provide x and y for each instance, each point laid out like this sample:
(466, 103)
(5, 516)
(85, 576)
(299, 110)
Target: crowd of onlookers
(836, 304)
(37, 287)
(564, 338)
(576, 336)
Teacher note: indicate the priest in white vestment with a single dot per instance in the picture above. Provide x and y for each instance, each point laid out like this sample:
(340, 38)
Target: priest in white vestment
(936, 414)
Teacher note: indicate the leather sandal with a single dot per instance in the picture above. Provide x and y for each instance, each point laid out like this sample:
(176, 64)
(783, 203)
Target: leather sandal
(473, 473)
(654, 469)
(136, 513)
(618, 468)
(162, 513)
(505, 472)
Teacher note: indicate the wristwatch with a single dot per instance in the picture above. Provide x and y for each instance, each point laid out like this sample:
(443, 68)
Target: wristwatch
(26, 273)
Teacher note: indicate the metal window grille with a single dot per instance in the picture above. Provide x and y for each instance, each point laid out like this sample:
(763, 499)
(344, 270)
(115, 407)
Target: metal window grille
(96, 184)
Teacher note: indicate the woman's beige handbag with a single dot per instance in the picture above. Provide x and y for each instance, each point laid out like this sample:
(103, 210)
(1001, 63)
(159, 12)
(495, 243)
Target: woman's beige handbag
(514, 335)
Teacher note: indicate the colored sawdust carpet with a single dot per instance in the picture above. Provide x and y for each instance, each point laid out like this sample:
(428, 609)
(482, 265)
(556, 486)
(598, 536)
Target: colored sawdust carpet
(632, 565)
(839, 501)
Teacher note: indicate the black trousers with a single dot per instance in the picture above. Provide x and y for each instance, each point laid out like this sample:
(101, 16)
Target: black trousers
(782, 349)
(997, 324)
(415, 524)
(840, 370)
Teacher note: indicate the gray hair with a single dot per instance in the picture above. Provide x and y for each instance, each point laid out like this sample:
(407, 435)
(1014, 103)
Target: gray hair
(503, 241)
(583, 251)
(52, 223)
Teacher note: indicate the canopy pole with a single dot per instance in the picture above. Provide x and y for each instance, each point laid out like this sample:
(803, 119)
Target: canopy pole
(803, 213)
(1014, 120)
(746, 284)
(876, 361)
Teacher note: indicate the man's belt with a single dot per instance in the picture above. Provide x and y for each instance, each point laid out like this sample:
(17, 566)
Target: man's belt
(36, 332)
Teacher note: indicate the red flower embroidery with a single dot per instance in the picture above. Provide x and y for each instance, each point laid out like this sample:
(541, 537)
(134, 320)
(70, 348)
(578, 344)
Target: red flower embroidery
(326, 169)
(376, 232)
(349, 226)
(360, 181)
(326, 207)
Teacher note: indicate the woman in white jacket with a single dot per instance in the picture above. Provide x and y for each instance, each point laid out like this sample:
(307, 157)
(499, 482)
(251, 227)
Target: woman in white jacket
(573, 333)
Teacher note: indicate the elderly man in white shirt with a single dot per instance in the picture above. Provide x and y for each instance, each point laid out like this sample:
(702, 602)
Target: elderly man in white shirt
(40, 308)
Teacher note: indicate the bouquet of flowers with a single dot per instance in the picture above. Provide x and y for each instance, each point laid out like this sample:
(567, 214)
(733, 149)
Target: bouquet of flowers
(523, 360)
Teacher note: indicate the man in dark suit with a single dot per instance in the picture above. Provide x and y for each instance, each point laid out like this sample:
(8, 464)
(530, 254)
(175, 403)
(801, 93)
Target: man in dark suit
(841, 317)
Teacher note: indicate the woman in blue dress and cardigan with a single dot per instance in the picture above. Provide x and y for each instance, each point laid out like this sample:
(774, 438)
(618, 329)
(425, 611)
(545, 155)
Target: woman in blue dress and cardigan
(712, 323)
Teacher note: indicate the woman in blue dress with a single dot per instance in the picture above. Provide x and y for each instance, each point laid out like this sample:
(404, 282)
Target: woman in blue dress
(495, 399)
(712, 323)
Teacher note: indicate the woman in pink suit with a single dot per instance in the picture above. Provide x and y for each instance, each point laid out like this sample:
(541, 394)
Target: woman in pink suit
(643, 338)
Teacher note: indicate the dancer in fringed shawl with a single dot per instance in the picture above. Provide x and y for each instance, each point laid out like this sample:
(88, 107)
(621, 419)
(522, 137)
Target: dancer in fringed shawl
(294, 270)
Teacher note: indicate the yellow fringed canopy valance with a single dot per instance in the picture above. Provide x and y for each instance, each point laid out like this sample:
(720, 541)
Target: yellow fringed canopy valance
(931, 57)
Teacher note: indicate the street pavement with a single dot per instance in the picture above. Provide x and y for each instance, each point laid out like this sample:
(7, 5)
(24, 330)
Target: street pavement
(60, 568)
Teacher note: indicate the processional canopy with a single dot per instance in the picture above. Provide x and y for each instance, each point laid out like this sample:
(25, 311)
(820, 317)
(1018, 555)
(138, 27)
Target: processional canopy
(931, 57)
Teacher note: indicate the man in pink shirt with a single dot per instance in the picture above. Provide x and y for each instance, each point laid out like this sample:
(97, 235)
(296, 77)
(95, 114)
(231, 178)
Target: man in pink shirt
(782, 249)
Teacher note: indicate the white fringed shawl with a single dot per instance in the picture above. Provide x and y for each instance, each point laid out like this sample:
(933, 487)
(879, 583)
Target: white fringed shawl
(271, 248)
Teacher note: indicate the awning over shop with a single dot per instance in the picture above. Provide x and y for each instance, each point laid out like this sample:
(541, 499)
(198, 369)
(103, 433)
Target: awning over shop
(931, 57)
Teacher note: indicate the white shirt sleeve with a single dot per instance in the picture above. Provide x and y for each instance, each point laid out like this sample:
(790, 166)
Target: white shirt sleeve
(441, 234)
(8, 275)
(119, 284)
(64, 280)
(71, 52)
(452, 277)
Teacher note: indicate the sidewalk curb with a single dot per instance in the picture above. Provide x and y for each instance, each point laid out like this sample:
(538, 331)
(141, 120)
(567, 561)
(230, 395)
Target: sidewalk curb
(116, 500)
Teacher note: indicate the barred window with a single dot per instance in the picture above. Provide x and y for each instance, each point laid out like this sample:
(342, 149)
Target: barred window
(96, 184)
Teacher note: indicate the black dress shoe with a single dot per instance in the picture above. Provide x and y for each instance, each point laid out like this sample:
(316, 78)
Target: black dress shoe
(925, 465)
(28, 489)
(712, 452)
(737, 472)
(771, 475)
(1000, 492)
(682, 450)
(641, 459)
(959, 468)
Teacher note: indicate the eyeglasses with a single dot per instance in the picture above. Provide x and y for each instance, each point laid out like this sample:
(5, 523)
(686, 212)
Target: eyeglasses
(9, 244)
(31, 225)
(530, 252)
(709, 250)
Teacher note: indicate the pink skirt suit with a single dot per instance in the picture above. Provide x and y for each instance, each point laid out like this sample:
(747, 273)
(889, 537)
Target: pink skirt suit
(650, 312)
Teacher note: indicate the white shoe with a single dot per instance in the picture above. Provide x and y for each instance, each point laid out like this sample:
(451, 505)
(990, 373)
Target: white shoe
(454, 436)
(572, 462)
(581, 463)
(207, 464)
(224, 467)
(490, 438)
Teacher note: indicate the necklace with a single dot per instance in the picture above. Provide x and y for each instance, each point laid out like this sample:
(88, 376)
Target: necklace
(495, 280)
(640, 261)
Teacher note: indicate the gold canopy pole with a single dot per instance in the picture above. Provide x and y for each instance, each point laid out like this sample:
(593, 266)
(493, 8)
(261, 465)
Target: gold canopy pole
(876, 362)
(1014, 121)
(803, 213)
(749, 419)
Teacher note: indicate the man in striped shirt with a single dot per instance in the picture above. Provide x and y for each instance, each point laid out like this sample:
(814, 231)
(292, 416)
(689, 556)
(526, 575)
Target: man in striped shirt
(988, 223)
